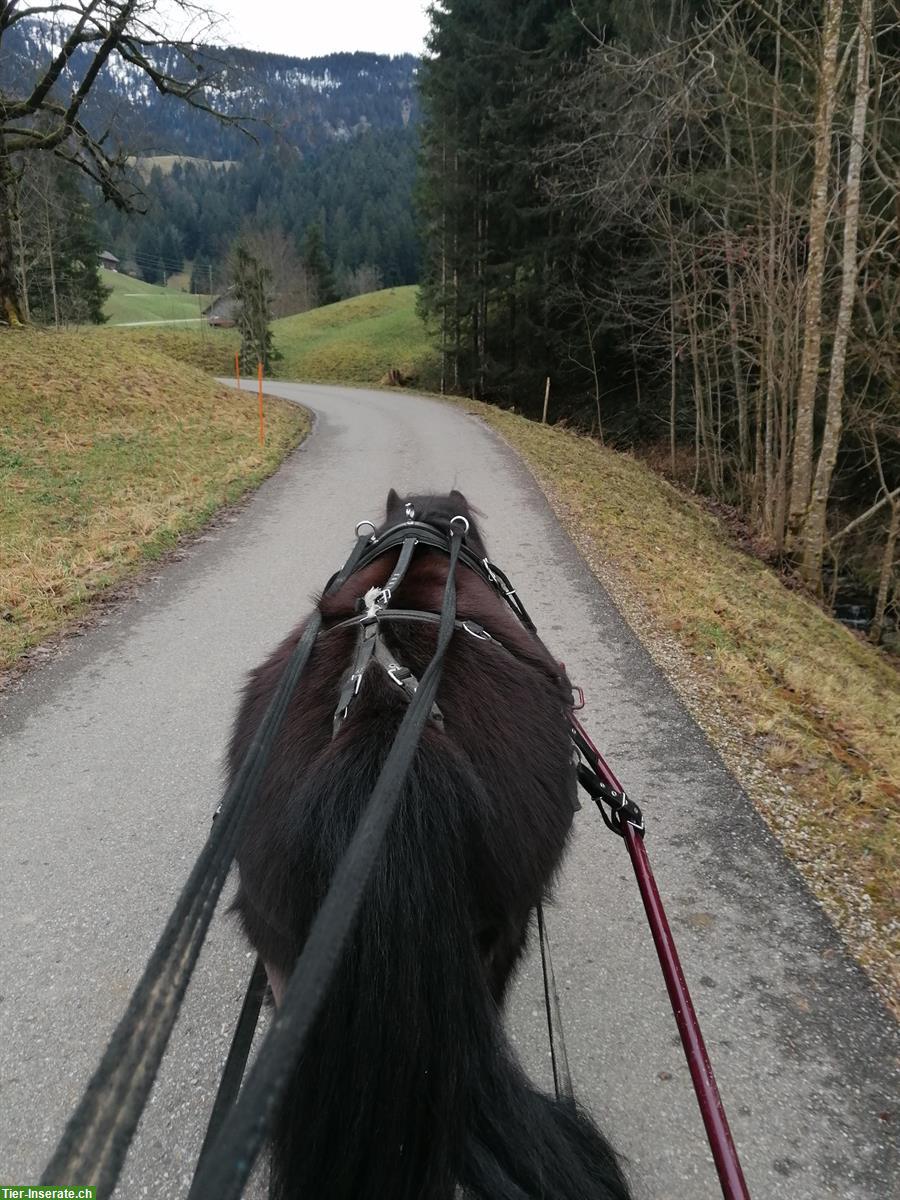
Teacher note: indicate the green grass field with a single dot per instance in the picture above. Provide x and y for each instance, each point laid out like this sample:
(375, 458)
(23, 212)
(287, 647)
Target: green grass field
(354, 341)
(133, 300)
(358, 341)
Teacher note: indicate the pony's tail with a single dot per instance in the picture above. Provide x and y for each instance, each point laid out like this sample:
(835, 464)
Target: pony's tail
(406, 1089)
(524, 1145)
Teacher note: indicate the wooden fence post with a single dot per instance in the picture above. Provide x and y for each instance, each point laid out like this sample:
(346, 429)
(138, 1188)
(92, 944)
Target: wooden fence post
(262, 425)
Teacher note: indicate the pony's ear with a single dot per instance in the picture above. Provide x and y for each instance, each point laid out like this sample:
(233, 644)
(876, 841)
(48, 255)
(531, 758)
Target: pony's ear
(393, 501)
(457, 495)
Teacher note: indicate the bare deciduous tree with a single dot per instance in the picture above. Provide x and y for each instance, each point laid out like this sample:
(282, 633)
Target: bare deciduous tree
(49, 116)
(813, 530)
(801, 474)
(747, 176)
(291, 289)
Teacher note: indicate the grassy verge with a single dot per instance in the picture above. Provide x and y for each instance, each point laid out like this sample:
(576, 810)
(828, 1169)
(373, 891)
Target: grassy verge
(109, 451)
(804, 712)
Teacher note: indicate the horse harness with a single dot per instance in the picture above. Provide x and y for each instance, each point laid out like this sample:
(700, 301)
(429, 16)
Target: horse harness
(371, 646)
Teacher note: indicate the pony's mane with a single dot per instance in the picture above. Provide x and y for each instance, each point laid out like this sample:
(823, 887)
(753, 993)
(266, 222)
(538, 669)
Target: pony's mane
(436, 509)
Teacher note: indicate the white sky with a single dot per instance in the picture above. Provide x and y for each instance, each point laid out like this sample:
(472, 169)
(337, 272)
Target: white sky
(307, 28)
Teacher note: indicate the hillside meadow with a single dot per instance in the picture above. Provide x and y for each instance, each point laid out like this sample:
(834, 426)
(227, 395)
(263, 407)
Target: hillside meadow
(354, 341)
(132, 300)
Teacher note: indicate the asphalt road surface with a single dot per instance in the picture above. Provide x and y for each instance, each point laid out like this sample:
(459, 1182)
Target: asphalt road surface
(111, 765)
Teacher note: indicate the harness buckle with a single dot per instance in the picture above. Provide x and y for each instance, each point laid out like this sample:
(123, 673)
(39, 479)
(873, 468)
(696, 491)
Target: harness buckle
(621, 807)
(476, 631)
(375, 600)
(486, 563)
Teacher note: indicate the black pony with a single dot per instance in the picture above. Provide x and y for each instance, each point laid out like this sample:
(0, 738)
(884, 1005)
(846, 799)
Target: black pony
(407, 1088)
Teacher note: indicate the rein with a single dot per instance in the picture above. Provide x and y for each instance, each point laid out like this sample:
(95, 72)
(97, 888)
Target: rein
(101, 1129)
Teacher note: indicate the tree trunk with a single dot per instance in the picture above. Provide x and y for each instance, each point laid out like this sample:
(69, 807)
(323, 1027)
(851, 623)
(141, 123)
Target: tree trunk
(673, 355)
(11, 308)
(23, 273)
(887, 570)
(589, 336)
(444, 260)
(52, 263)
(815, 269)
(812, 536)
(740, 393)
(776, 402)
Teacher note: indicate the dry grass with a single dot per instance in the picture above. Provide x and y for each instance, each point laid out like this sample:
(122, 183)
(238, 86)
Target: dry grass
(805, 712)
(207, 349)
(109, 450)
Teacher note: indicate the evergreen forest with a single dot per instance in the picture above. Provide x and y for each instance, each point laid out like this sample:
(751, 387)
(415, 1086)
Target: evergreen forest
(272, 146)
(358, 191)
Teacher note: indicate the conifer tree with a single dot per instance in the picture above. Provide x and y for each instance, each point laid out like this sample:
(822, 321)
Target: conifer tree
(494, 248)
(251, 288)
(316, 265)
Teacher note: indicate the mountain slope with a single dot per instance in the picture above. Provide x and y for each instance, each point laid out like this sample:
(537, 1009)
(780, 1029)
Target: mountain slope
(304, 102)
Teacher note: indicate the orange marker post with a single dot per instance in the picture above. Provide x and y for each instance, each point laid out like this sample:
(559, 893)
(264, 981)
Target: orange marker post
(262, 423)
(237, 368)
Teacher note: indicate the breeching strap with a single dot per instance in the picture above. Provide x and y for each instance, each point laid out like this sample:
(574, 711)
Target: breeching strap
(731, 1175)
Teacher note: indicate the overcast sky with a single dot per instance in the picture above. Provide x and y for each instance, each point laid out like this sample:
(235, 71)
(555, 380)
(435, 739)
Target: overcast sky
(306, 28)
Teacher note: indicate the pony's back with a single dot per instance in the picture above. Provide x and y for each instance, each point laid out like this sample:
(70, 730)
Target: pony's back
(407, 1085)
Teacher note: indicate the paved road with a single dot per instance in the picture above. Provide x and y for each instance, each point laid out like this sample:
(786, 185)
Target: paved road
(111, 765)
(159, 321)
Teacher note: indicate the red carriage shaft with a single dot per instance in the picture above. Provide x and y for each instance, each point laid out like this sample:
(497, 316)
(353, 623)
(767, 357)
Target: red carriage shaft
(731, 1175)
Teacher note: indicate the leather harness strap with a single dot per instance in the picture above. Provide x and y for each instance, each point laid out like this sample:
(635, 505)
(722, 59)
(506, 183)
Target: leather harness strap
(371, 647)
